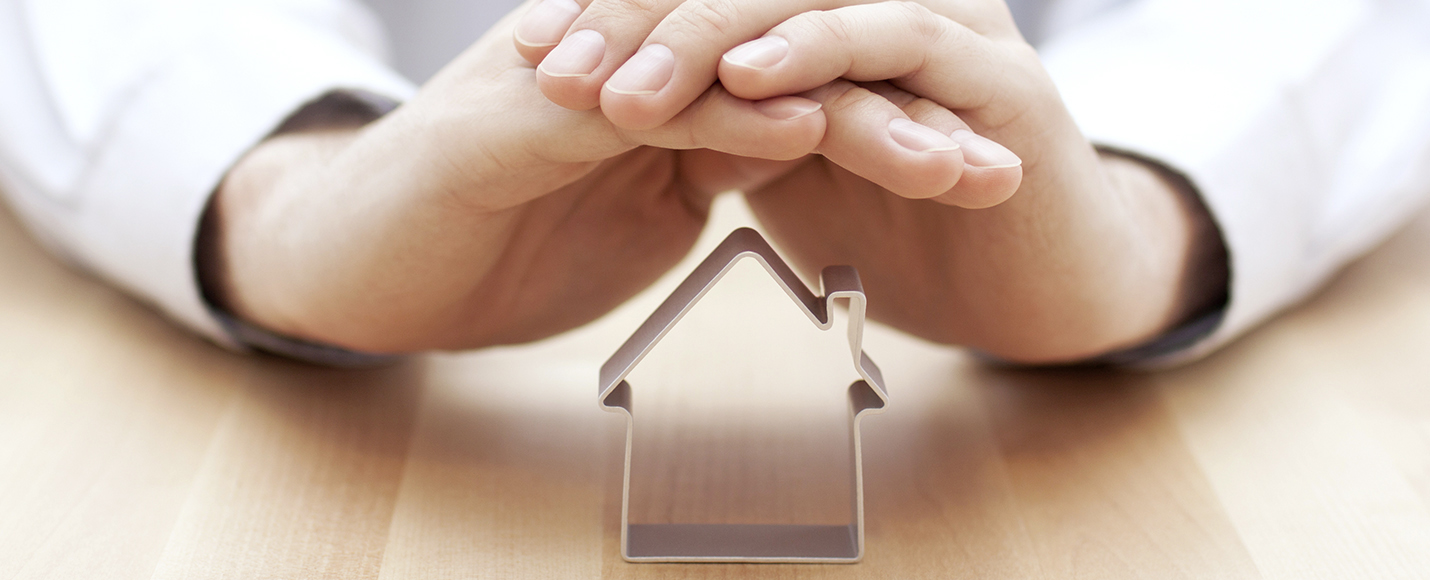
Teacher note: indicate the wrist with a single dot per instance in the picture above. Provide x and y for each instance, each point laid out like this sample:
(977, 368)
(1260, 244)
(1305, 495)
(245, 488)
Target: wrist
(354, 237)
(236, 231)
(1198, 251)
(1088, 265)
(1184, 264)
(316, 130)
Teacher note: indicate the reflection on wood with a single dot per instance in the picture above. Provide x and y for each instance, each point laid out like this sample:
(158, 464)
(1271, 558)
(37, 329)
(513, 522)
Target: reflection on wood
(129, 449)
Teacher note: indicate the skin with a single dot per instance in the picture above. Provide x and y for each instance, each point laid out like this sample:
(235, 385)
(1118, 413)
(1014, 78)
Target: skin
(1090, 254)
(479, 213)
(444, 225)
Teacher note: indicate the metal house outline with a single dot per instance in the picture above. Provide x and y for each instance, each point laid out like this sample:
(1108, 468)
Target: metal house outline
(790, 543)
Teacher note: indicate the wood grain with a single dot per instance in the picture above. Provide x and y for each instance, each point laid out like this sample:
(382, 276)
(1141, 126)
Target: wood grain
(131, 449)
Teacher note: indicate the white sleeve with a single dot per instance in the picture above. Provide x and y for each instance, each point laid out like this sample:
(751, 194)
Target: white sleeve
(118, 119)
(1305, 126)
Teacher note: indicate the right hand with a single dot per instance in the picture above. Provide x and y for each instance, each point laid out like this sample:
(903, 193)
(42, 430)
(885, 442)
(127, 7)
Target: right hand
(479, 213)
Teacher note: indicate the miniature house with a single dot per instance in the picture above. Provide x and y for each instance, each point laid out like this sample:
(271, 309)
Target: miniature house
(749, 542)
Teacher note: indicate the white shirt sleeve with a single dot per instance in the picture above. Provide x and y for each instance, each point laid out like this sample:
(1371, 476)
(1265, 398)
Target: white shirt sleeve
(1305, 126)
(118, 118)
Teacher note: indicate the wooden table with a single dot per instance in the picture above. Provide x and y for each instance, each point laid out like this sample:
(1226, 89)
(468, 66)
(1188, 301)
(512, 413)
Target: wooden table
(131, 449)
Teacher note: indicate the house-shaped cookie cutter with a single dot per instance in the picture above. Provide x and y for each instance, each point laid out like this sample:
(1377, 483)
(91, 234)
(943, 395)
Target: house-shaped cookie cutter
(749, 542)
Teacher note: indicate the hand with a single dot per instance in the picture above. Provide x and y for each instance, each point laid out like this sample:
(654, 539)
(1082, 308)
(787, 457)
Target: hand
(478, 213)
(1089, 256)
(588, 57)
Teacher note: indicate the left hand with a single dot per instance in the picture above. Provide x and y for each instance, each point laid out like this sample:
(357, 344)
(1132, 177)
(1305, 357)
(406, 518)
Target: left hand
(1087, 257)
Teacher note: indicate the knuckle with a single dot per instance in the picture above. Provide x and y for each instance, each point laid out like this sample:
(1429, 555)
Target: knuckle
(637, 6)
(932, 114)
(893, 94)
(703, 18)
(826, 25)
(921, 22)
(849, 99)
(925, 108)
(616, 12)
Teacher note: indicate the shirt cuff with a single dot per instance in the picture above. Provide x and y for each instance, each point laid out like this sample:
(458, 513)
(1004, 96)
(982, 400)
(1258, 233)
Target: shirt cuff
(263, 340)
(1241, 120)
(181, 132)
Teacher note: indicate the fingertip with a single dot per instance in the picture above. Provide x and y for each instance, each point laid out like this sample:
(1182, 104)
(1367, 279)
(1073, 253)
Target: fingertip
(787, 108)
(628, 112)
(926, 176)
(787, 128)
(983, 187)
(566, 74)
(746, 83)
(532, 54)
(922, 183)
(984, 152)
(635, 97)
(924, 162)
(991, 176)
(744, 69)
(566, 92)
(758, 54)
(800, 136)
(919, 138)
(779, 129)
(543, 27)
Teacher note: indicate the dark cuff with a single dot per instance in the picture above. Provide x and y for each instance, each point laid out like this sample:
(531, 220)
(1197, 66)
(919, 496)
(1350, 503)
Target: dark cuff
(337, 108)
(263, 340)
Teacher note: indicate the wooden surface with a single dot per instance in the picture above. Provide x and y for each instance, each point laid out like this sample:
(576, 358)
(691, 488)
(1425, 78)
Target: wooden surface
(130, 449)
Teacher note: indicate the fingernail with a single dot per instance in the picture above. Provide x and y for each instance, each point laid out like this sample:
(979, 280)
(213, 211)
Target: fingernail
(787, 108)
(645, 73)
(759, 54)
(546, 22)
(919, 138)
(983, 153)
(576, 56)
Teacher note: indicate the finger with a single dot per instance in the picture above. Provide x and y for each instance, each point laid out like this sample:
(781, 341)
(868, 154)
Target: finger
(680, 43)
(985, 17)
(535, 146)
(680, 55)
(520, 157)
(926, 53)
(781, 128)
(543, 26)
(991, 173)
(875, 139)
(600, 39)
